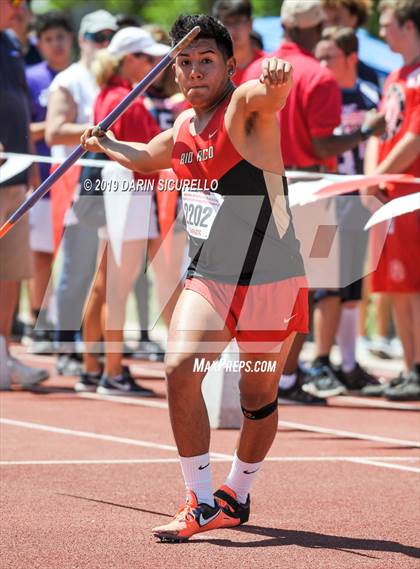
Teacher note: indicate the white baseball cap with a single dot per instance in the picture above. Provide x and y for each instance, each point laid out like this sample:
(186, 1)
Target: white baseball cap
(96, 22)
(136, 40)
(301, 13)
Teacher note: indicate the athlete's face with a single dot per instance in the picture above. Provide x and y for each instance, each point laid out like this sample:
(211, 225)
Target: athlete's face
(202, 72)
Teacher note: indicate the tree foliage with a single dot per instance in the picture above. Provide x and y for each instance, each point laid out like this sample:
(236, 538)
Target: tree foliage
(164, 12)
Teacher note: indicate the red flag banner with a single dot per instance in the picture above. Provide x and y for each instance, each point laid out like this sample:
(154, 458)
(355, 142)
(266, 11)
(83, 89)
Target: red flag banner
(61, 198)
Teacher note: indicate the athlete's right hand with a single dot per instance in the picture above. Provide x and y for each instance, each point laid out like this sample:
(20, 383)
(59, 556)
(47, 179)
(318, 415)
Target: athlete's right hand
(94, 139)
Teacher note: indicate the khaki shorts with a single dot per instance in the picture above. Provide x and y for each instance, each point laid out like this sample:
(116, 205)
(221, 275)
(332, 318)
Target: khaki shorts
(15, 252)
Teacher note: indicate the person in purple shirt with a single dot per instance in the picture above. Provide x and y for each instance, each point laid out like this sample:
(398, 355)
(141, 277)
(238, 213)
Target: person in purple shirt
(55, 39)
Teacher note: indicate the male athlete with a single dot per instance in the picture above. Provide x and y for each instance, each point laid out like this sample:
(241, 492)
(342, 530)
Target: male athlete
(246, 278)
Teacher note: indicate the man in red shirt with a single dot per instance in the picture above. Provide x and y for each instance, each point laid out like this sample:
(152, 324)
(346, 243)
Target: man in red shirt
(236, 16)
(311, 113)
(239, 284)
(398, 271)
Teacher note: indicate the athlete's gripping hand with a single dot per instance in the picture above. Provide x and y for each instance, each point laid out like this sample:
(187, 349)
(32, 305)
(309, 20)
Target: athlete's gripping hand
(94, 139)
(275, 72)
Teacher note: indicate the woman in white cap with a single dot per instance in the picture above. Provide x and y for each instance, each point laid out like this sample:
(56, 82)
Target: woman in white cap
(129, 57)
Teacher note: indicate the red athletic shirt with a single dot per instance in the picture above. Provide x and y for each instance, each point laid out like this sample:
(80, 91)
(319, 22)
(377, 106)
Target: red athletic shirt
(135, 125)
(238, 78)
(401, 105)
(234, 234)
(313, 108)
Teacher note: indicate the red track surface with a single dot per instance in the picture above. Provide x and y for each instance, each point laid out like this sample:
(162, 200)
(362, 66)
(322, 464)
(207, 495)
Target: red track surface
(311, 508)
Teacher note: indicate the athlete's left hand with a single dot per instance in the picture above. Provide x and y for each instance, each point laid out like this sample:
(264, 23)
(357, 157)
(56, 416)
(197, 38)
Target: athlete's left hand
(275, 72)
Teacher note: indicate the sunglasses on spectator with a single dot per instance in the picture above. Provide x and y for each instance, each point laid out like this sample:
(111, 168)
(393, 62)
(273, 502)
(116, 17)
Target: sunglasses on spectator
(99, 37)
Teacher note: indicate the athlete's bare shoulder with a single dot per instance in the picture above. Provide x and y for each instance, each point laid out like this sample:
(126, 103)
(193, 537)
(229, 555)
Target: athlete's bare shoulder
(180, 119)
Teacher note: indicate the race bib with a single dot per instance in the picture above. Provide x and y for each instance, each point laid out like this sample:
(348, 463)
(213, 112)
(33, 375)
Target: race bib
(200, 210)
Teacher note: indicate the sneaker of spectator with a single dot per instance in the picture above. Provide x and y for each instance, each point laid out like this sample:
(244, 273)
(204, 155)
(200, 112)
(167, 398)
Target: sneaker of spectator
(380, 389)
(19, 329)
(381, 348)
(407, 390)
(149, 350)
(42, 341)
(23, 375)
(122, 385)
(323, 382)
(89, 382)
(295, 395)
(69, 365)
(396, 348)
(357, 378)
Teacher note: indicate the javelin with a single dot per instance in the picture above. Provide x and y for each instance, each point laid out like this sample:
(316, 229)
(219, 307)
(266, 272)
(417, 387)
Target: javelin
(104, 125)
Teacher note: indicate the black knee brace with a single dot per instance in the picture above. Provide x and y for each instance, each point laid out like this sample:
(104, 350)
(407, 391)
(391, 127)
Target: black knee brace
(260, 413)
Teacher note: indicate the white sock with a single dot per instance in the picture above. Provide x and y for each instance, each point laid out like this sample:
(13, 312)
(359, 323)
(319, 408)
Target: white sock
(346, 338)
(287, 381)
(197, 476)
(241, 476)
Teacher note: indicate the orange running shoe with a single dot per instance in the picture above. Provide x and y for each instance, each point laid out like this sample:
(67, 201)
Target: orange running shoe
(191, 518)
(234, 513)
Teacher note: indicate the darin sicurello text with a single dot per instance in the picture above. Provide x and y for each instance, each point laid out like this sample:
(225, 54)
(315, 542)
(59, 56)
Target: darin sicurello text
(148, 185)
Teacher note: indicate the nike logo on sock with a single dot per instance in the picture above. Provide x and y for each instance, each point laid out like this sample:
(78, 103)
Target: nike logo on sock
(252, 471)
(203, 467)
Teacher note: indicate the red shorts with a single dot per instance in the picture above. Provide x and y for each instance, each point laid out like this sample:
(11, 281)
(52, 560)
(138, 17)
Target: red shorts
(259, 316)
(398, 269)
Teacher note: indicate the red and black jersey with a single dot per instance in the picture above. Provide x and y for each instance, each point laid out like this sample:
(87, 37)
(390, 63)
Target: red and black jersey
(235, 233)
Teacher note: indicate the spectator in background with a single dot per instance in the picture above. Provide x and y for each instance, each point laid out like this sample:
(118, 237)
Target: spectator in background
(398, 271)
(127, 21)
(312, 112)
(236, 16)
(70, 108)
(257, 40)
(19, 24)
(336, 311)
(353, 14)
(15, 253)
(164, 101)
(129, 57)
(54, 34)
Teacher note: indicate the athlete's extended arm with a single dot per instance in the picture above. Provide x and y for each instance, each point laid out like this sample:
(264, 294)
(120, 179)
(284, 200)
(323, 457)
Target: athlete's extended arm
(137, 156)
(269, 93)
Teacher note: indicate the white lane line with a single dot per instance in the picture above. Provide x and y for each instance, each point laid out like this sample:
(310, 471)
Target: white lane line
(384, 464)
(374, 460)
(347, 434)
(97, 436)
(104, 461)
(126, 400)
(346, 399)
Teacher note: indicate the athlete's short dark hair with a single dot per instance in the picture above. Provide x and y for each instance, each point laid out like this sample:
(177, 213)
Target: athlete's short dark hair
(210, 29)
(50, 20)
(230, 8)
